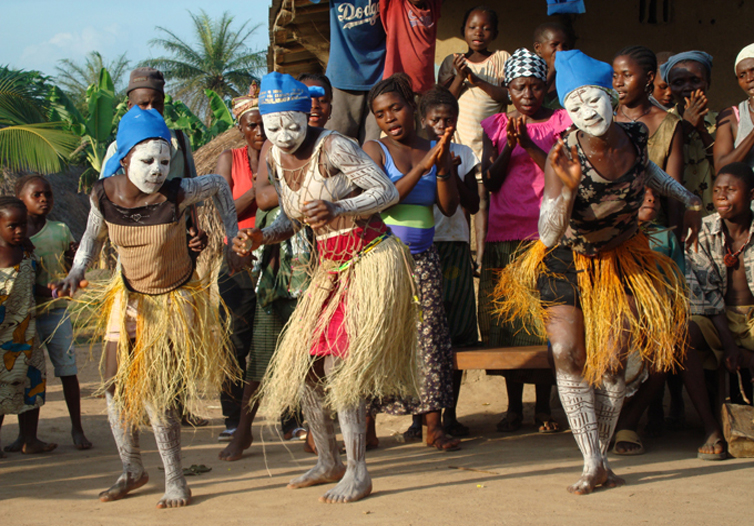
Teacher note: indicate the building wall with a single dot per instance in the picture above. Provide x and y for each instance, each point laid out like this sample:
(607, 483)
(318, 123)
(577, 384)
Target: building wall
(720, 28)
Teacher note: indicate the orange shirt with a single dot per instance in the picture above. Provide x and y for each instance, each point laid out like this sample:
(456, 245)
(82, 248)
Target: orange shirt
(243, 181)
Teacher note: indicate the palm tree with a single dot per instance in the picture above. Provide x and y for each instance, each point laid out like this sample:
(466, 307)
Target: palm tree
(220, 61)
(28, 141)
(75, 78)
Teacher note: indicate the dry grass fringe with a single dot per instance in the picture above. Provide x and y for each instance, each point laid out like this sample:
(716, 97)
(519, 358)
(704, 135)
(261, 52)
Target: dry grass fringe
(181, 352)
(381, 318)
(654, 324)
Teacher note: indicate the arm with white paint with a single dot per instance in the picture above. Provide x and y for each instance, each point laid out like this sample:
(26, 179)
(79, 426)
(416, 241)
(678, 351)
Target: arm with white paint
(665, 185)
(562, 178)
(214, 186)
(88, 251)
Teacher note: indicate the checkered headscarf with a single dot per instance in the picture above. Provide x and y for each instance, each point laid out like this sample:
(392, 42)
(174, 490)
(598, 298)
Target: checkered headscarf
(524, 63)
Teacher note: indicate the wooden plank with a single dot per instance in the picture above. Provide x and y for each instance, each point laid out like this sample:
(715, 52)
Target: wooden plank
(529, 357)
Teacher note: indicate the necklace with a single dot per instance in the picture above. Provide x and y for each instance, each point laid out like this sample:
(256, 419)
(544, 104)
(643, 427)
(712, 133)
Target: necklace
(637, 118)
(731, 258)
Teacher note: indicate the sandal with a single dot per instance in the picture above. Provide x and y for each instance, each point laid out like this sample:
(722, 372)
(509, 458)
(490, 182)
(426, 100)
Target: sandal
(445, 443)
(545, 423)
(413, 434)
(455, 428)
(714, 456)
(510, 422)
(628, 436)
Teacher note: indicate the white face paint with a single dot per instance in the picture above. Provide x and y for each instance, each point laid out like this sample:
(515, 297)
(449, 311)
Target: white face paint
(590, 110)
(149, 165)
(286, 129)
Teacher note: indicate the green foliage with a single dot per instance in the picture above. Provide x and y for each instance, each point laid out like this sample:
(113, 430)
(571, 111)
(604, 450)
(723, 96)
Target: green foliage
(219, 61)
(29, 140)
(75, 78)
(178, 116)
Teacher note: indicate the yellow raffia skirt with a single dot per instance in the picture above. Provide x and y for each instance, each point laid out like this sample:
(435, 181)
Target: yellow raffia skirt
(179, 353)
(380, 319)
(607, 282)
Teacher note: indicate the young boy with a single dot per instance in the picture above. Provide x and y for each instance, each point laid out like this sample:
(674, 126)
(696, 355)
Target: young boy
(721, 284)
(549, 38)
(439, 110)
(54, 247)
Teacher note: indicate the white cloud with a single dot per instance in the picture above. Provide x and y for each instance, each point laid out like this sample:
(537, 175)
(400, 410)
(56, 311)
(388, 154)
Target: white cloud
(73, 45)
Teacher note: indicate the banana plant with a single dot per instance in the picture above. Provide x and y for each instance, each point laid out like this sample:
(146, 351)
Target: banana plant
(178, 116)
(97, 129)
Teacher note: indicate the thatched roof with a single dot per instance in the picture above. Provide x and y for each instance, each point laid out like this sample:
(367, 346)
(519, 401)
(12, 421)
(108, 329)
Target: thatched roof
(205, 158)
(71, 207)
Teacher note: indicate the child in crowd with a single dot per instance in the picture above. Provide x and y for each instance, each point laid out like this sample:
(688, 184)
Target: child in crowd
(54, 248)
(661, 94)
(22, 376)
(424, 176)
(321, 106)
(411, 36)
(476, 79)
(549, 38)
(515, 148)
(735, 127)
(688, 74)
(633, 78)
(439, 111)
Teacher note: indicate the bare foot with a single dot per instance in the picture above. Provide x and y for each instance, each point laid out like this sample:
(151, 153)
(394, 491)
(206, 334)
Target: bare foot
(319, 474)
(16, 446)
(589, 480)
(37, 446)
(235, 448)
(309, 446)
(176, 497)
(79, 439)
(438, 439)
(355, 485)
(613, 480)
(123, 486)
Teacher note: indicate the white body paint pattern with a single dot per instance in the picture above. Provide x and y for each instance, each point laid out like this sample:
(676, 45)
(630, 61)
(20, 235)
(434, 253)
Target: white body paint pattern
(554, 217)
(666, 186)
(590, 110)
(149, 165)
(286, 129)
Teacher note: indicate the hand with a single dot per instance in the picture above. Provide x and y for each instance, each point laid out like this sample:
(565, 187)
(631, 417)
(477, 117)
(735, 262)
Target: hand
(461, 66)
(247, 240)
(472, 78)
(455, 160)
(695, 110)
(732, 359)
(522, 135)
(199, 239)
(510, 134)
(567, 169)
(440, 149)
(692, 224)
(237, 263)
(444, 161)
(319, 213)
(68, 287)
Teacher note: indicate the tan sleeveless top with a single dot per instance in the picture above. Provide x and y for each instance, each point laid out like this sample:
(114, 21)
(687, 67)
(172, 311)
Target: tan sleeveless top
(658, 145)
(150, 240)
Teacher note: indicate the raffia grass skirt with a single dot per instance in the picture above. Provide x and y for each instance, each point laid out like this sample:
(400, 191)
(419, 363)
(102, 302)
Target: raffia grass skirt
(380, 320)
(180, 352)
(607, 282)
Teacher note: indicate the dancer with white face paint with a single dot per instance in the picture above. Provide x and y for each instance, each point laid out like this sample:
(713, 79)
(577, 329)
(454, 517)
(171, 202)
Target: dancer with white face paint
(165, 346)
(592, 285)
(353, 334)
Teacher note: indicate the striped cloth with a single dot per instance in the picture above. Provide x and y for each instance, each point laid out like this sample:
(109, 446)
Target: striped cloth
(458, 291)
(268, 324)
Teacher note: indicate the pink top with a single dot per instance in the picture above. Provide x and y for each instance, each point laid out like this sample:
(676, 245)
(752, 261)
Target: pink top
(514, 208)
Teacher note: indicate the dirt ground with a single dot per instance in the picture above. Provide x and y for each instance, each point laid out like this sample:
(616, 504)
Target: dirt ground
(518, 478)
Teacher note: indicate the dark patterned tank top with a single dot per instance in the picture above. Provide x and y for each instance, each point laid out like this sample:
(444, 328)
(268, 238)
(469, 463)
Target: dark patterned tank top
(604, 209)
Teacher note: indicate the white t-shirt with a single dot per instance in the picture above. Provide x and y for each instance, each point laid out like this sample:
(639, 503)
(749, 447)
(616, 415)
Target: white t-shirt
(455, 227)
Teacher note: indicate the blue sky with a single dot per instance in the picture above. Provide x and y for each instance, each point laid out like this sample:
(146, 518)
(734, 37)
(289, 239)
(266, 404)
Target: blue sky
(35, 34)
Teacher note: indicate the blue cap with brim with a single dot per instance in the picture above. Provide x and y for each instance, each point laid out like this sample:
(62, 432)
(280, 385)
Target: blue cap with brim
(574, 69)
(281, 92)
(136, 126)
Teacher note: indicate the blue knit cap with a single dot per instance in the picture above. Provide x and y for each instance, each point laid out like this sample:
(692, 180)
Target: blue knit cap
(574, 69)
(281, 92)
(136, 126)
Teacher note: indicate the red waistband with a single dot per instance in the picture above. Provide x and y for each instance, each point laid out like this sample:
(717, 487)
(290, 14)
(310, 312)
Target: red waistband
(344, 246)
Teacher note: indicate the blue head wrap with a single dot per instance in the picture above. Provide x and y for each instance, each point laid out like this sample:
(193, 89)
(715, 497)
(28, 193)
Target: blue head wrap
(574, 69)
(281, 92)
(136, 126)
(705, 59)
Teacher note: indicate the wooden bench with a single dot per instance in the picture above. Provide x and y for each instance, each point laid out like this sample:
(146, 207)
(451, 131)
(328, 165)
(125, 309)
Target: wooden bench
(501, 358)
